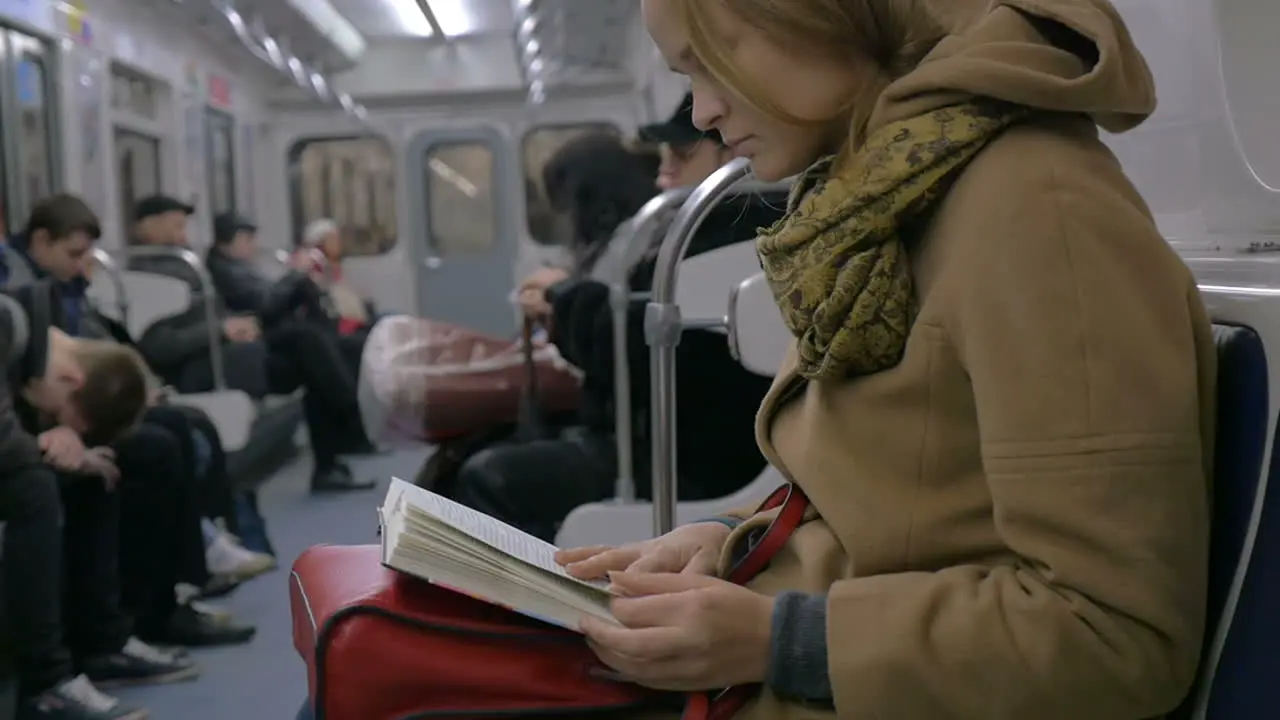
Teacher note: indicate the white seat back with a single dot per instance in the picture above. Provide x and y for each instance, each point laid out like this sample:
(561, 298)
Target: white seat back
(705, 279)
(151, 298)
(758, 336)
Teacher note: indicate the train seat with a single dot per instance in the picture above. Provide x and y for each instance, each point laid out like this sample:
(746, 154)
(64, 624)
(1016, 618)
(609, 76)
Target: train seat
(253, 432)
(757, 338)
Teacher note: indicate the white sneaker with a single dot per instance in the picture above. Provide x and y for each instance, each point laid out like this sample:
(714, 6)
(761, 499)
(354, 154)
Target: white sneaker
(225, 556)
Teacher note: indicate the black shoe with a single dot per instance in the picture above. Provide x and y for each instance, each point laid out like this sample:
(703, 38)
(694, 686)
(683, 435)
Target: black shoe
(77, 699)
(338, 478)
(190, 627)
(138, 663)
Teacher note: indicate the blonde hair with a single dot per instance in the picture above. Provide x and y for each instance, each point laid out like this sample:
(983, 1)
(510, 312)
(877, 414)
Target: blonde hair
(114, 393)
(894, 35)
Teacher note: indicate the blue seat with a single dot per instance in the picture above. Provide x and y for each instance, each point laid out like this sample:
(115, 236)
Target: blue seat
(1239, 689)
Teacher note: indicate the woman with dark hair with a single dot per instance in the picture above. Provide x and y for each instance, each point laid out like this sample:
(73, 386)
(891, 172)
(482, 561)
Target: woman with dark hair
(597, 183)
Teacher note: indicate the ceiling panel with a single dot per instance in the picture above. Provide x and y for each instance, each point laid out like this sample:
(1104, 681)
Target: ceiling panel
(402, 18)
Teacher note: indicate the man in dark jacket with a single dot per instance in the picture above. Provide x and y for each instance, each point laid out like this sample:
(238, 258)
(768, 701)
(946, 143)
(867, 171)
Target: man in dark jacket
(290, 354)
(535, 485)
(59, 377)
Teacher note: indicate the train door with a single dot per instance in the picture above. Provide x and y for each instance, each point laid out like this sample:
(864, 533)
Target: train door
(32, 159)
(137, 132)
(463, 216)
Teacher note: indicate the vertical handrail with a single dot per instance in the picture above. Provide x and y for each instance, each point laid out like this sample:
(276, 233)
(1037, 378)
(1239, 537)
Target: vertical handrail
(208, 298)
(112, 268)
(635, 237)
(663, 326)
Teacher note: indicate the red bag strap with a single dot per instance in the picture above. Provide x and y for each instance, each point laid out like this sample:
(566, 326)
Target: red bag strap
(702, 706)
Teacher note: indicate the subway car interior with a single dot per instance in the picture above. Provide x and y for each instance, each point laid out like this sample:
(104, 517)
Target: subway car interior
(422, 212)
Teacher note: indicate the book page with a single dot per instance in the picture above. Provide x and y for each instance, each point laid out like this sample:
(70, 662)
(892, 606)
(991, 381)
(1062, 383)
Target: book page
(494, 533)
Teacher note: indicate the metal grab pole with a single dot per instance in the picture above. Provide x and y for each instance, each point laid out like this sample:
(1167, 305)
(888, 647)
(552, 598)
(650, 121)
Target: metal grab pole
(639, 236)
(207, 297)
(112, 269)
(662, 328)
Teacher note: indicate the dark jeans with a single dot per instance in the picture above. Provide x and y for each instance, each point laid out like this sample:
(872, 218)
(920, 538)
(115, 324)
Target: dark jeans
(535, 485)
(96, 623)
(32, 566)
(213, 486)
(160, 539)
(292, 355)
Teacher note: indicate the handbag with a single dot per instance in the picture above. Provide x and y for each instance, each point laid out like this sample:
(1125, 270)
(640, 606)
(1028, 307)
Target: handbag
(429, 381)
(384, 646)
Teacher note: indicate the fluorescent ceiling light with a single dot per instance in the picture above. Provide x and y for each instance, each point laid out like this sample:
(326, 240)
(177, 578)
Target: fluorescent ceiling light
(456, 17)
(333, 26)
(410, 17)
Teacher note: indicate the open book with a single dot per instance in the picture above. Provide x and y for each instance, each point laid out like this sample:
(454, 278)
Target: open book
(447, 544)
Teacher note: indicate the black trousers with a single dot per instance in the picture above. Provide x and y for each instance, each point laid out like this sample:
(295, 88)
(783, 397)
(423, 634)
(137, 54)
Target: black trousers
(33, 576)
(160, 540)
(297, 354)
(213, 485)
(535, 485)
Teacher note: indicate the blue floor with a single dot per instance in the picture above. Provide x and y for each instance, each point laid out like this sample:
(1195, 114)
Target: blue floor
(265, 680)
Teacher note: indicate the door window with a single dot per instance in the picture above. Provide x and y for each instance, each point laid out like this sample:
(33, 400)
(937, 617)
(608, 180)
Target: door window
(351, 181)
(459, 182)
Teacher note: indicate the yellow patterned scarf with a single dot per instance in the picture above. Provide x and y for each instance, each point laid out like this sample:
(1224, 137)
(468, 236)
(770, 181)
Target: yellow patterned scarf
(836, 263)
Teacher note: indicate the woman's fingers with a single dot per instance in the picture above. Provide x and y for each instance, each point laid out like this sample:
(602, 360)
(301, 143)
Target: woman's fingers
(596, 565)
(578, 554)
(659, 559)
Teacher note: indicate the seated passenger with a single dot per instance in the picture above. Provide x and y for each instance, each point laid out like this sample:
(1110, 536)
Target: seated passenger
(203, 459)
(595, 162)
(292, 353)
(535, 485)
(320, 256)
(96, 389)
(998, 409)
(160, 539)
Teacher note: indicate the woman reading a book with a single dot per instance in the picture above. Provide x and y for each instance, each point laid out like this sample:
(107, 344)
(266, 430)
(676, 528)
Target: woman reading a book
(997, 396)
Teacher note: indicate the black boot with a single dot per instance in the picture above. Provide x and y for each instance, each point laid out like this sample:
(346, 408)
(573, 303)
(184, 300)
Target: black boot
(338, 478)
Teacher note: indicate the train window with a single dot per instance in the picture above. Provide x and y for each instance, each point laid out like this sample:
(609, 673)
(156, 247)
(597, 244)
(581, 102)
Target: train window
(138, 167)
(221, 161)
(460, 201)
(35, 120)
(545, 224)
(134, 94)
(351, 181)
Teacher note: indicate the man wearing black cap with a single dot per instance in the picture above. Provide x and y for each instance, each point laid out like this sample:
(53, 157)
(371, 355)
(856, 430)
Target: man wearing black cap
(689, 155)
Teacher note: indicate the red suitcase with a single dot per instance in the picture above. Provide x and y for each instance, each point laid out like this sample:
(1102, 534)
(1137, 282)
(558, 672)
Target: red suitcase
(384, 646)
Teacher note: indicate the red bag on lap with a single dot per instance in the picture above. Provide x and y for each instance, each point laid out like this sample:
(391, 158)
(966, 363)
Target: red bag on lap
(384, 646)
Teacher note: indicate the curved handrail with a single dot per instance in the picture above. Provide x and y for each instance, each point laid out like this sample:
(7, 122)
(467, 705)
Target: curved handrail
(207, 296)
(663, 325)
(634, 237)
(112, 268)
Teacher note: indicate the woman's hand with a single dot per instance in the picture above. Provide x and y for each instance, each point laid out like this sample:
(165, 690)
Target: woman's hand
(533, 303)
(684, 632)
(542, 278)
(693, 549)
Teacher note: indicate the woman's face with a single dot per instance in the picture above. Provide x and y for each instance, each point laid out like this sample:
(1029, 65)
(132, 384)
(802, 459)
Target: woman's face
(808, 87)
